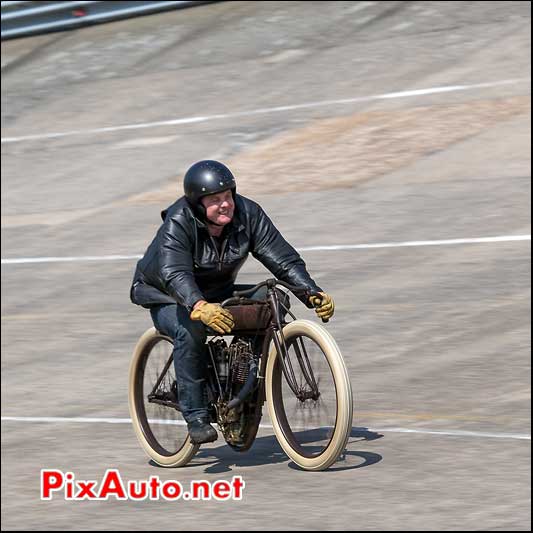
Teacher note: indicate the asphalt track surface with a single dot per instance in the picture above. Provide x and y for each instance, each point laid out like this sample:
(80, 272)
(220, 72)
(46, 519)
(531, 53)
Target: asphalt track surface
(436, 337)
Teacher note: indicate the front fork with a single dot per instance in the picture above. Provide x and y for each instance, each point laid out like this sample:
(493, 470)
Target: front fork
(301, 392)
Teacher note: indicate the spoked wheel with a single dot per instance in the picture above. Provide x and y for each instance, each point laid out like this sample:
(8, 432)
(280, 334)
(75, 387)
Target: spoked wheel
(310, 407)
(153, 403)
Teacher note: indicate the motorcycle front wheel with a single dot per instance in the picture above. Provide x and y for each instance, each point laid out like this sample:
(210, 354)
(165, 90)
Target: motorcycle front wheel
(310, 403)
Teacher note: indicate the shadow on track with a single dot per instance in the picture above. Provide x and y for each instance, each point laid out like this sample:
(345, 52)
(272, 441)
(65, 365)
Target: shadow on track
(267, 451)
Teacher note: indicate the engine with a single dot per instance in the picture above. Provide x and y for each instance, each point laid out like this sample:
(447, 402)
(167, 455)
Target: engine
(240, 354)
(236, 368)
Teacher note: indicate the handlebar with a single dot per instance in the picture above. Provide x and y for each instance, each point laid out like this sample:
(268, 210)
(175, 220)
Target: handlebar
(247, 292)
(271, 283)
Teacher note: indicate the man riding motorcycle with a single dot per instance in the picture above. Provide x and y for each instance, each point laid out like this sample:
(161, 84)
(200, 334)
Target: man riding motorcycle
(192, 264)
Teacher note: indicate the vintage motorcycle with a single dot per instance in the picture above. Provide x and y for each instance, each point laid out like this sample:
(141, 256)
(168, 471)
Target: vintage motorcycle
(295, 366)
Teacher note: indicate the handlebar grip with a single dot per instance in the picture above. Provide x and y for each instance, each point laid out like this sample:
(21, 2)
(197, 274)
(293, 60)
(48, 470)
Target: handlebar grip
(318, 295)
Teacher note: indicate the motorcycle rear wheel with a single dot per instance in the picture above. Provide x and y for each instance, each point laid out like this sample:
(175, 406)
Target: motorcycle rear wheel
(160, 429)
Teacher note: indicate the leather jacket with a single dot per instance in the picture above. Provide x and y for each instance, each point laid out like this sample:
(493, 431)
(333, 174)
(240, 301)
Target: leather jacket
(183, 264)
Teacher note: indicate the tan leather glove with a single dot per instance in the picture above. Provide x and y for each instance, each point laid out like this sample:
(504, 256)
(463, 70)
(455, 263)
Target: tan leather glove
(323, 308)
(214, 316)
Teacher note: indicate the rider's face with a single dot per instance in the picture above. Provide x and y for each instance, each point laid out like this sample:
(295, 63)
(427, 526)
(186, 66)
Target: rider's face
(219, 207)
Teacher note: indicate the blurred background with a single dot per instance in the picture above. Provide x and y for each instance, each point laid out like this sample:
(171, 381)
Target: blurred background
(361, 128)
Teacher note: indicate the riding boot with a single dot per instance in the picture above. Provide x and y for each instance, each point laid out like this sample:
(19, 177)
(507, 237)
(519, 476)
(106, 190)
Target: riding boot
(201, 431)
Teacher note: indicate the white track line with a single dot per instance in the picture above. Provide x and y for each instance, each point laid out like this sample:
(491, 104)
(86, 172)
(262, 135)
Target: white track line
(63, 419)
(262, 111)
(457, 433)
(68, 259)
(451, 433)
(477, 240)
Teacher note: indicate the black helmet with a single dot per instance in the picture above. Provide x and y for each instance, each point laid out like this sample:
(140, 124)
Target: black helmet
(207, 177)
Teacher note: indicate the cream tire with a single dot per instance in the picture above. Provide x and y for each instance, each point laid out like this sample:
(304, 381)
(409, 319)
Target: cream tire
(135, 400)
(343, 391)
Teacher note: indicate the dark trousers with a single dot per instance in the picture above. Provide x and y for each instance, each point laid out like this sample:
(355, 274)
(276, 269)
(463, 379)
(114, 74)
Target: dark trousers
(190, 351)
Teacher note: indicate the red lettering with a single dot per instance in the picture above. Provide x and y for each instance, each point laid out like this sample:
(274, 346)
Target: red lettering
(171, 490)
(154, 486)
(138, 494)
(238, 485)
(196, 489)
(221, 490)
(112, 485)
(69, 486)
(86, 490)
(51, 480)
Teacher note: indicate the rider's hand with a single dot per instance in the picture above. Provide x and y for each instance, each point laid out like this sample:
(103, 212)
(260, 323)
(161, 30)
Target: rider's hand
(214, 316)
(324, 307)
